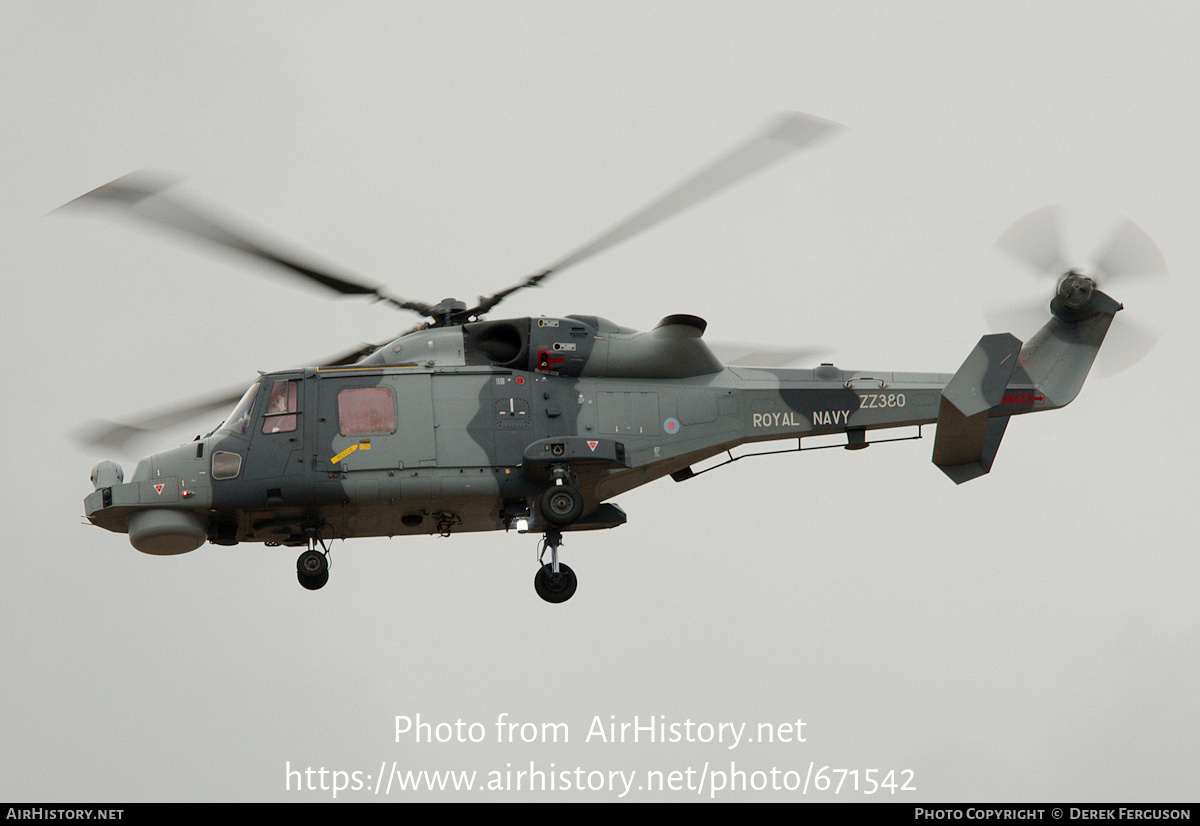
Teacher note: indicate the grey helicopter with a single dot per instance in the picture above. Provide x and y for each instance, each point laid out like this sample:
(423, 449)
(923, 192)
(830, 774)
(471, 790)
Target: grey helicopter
(535, 424)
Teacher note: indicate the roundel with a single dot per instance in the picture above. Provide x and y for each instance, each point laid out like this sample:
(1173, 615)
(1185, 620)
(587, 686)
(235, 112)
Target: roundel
(671, 426)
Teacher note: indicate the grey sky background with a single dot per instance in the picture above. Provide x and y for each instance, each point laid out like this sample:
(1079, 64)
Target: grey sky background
(1032, 635)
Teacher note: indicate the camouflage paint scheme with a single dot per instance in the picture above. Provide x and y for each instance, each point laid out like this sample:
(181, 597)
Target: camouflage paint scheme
(486, 412)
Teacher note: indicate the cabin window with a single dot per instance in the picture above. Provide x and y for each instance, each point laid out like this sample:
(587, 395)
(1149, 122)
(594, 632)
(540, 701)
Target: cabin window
(282, 406)
(363, 410)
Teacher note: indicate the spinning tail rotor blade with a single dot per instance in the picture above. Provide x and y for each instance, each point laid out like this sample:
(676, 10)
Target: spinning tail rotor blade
(1130, 253)
(786, 135)
(1021, 318)
(1036, 240)
(1126, 344)
(143, 194)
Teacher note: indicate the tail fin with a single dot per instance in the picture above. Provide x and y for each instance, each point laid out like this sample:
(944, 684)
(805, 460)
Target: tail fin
(1058, 357)
(967, 438)
(1050, 368)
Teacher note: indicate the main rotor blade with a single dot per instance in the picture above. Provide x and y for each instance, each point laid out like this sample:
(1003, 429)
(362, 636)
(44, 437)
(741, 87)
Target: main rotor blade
(747, 355)
(121, 436)
(786, 135)
(143, 194)
(350, 356)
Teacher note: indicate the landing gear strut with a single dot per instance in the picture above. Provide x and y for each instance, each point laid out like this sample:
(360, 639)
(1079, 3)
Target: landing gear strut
(554, 581)
(312, 568)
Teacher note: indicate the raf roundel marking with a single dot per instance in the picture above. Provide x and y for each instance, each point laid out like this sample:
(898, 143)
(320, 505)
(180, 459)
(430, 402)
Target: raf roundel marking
(671, 426)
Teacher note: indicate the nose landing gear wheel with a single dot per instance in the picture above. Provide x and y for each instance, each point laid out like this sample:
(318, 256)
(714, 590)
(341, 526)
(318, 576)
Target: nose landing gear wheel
(561, 505)
(554, 587)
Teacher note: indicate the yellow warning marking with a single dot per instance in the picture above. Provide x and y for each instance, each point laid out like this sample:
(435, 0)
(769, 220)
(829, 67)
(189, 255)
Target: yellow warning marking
(343, 454)
(363, 444)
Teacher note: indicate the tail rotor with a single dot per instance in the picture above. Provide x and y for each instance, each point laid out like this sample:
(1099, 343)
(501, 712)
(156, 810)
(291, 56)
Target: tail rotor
(1129, 255)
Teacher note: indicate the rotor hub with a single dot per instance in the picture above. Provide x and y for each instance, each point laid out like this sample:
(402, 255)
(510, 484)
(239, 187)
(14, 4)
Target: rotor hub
(447, 306)
(1076, 290)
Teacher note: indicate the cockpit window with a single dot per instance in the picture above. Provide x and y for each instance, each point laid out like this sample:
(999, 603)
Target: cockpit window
(239, 419)
(282, 406)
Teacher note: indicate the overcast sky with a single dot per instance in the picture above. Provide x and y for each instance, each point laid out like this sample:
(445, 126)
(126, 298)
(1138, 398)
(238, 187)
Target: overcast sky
(1031, 635)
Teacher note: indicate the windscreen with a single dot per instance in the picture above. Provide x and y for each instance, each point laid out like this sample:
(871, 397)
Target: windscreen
(239, 419)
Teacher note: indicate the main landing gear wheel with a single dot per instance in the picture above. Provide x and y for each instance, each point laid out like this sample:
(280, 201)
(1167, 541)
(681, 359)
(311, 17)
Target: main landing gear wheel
(554, 587)
(554, 581)
(561, 505)
(312, 569)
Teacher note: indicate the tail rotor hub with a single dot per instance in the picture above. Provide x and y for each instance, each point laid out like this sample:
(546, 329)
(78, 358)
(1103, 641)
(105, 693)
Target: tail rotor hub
(1076, 290)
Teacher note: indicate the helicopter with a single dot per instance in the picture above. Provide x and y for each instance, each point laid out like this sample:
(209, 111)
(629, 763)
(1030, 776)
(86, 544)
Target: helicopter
(535, 424)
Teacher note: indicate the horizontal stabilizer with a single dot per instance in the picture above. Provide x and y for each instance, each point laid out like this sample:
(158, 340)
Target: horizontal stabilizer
(967, 440)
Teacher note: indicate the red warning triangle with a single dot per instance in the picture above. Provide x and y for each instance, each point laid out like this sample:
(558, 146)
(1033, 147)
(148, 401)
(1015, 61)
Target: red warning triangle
(592, 445)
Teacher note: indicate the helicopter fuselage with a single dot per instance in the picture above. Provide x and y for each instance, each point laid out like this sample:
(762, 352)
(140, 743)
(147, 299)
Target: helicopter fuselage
(465, 428)
(536, 424)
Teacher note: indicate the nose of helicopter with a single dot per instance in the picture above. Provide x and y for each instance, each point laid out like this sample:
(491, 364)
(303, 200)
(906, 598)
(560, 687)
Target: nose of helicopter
(162, 507)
